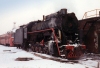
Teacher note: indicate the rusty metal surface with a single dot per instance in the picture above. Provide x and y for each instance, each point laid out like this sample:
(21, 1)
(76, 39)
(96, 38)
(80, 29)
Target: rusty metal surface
(91, 32)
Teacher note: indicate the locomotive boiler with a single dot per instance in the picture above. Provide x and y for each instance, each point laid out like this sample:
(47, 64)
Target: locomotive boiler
(57, 34)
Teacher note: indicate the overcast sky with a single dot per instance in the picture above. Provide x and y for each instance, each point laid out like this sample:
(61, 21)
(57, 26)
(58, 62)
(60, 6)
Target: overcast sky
(24, 11)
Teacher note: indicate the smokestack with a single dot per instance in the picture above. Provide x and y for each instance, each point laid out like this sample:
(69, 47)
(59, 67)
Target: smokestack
(63, 11)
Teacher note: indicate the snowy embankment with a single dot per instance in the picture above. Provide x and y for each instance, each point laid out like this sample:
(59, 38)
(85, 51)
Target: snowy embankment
(8, 56)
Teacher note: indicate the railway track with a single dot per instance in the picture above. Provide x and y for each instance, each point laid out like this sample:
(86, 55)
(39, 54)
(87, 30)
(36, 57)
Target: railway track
(86, 57)
(58, 59)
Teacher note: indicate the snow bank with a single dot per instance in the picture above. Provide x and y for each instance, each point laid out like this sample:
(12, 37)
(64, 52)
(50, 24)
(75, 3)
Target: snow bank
(9, 54)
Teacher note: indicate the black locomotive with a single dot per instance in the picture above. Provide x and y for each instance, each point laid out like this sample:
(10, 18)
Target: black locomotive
(57, 34)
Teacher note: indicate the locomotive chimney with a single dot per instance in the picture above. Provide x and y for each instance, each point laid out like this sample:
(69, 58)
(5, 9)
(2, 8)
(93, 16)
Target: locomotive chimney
(99, 13)
(63, 11)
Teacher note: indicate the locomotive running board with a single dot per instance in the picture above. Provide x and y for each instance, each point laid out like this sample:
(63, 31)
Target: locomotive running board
(39, 31)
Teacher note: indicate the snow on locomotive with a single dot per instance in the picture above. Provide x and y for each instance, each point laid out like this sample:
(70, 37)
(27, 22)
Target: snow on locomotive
(57, 34)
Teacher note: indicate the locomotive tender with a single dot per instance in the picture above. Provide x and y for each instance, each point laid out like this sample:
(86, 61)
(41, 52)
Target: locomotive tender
(57, 34)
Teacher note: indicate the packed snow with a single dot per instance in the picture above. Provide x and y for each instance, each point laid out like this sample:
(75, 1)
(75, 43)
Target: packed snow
(8, 57)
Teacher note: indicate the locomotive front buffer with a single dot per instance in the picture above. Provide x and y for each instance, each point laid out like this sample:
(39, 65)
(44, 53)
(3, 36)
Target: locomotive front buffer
(72, 51)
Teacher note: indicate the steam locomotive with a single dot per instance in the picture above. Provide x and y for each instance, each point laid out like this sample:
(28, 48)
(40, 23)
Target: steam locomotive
(57, 34)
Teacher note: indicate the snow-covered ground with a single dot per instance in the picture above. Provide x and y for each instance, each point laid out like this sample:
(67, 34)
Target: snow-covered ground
(8, 57)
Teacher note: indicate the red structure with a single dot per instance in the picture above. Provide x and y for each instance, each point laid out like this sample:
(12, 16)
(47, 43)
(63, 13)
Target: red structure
(90, 26)
(7, 39)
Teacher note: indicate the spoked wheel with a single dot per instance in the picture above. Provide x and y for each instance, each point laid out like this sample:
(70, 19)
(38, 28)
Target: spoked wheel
(36, 49)
(40, 50)
(33, 48)
(45, 50)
